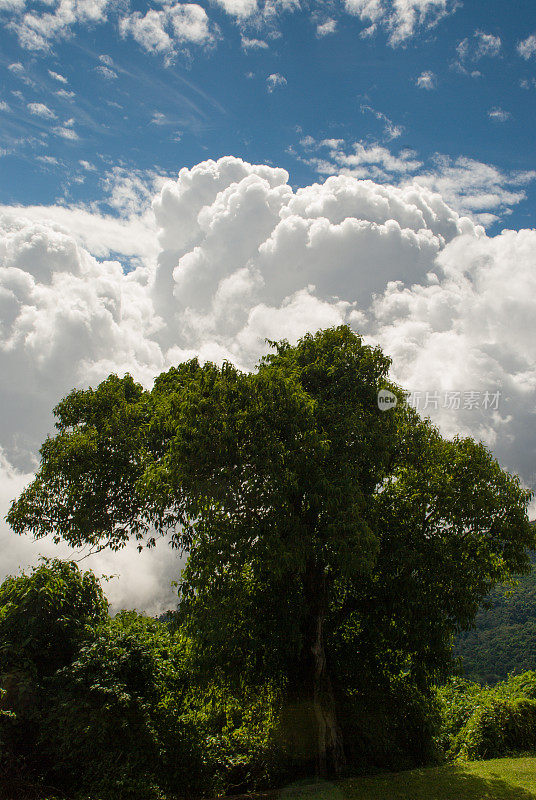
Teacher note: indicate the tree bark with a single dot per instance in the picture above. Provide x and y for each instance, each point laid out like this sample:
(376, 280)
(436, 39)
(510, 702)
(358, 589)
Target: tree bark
(314, 730)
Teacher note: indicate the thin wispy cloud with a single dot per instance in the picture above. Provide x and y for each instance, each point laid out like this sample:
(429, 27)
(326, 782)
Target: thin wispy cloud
(499, 114)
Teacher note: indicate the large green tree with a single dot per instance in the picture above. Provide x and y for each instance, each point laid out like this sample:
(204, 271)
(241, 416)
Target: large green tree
(310, 515)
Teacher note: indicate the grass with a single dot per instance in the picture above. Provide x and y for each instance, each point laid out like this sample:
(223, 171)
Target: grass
(498, 779)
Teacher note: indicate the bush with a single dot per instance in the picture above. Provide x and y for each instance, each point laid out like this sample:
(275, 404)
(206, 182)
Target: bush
(45, 616)
(117, 708)
(115, 726)
(485, 722)
(393, 726)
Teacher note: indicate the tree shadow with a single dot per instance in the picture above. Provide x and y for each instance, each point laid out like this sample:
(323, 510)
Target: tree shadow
(451, 782)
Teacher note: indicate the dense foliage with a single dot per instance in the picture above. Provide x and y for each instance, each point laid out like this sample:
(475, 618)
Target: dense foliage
(487, 722)
(123, 713)
(503, 639)
(333, 550)
(129, 713)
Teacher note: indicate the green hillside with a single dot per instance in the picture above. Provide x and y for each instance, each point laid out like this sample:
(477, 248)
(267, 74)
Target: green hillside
(504, 637)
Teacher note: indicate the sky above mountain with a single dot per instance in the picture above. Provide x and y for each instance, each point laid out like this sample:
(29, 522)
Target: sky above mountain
(184, 179)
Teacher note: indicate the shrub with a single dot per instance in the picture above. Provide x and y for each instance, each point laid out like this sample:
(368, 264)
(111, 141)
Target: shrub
(115, 726)
(45, 616)
(393, 726)
(485, 722)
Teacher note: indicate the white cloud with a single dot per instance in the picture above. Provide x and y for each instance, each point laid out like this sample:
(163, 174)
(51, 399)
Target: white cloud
(487, 44)
(57, 76)
(402, 18)
(12, 5)
(66, 131)
(41, 110)
(139, 580)
(191, 24)
(148, 30)
(479, 45)
(390, 131)
(527, 48)
(327, 27)
(475, 188)
(241, 9)
(106, 72)
(161, 31)
(426, 80)
(130, 235)
(159, 118)
(130, 192)
(49, 161)
(274, 80)
(4, 106)
(242, 256)
(65, 94)
(361, 160)
(470, 186)
(499, 114)
(253, 44)
(37, 29)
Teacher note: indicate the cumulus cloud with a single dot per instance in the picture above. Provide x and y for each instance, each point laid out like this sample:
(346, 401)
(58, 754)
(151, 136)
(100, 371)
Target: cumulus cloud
(426, 80)
(242, 256)
(401, 18)
(65, 94)
(327, 27)
(479, 45)
(360, 159)
(487, 44)
(253, 44)
(473, 49)
(241, 9)
(57, 77)
(16, 68)
(37, 29)
(66, 131)
(471, 187)
(166, 27)
(106, 72)
(274, 80)
(475, 188)
(163, 30)
(131, 579)
(41, 110)
(527, 47)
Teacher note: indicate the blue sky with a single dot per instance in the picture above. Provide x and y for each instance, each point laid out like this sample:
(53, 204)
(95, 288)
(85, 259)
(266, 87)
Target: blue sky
(210, 94)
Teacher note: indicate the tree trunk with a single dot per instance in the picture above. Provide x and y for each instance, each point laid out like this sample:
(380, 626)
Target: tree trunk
(315, 736)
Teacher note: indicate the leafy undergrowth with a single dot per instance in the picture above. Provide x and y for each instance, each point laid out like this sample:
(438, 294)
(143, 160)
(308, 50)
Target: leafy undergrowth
(498, 779)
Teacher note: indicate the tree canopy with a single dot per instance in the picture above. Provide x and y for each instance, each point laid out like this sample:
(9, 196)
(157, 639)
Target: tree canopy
(329, 541)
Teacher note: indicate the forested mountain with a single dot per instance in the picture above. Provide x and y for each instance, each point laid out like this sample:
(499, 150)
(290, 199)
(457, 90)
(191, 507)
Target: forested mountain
(504, 637)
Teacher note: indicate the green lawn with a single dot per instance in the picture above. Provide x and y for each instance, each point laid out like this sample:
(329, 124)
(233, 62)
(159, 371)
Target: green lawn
(499, 779)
